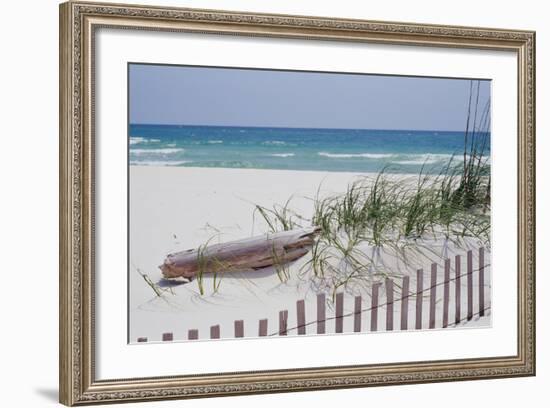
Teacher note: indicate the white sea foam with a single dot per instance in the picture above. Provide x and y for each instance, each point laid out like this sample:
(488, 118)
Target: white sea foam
(356, 155)
(434, 156)
(377, 155)
(156, 151)
(425, 158)
(137, 139)
(274, 143)
(282, 154)
(427, 161)
(158, 163)
(420, 159)
(215, 141)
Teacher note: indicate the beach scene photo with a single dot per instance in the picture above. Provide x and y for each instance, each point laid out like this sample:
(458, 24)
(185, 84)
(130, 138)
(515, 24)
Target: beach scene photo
(266, 203)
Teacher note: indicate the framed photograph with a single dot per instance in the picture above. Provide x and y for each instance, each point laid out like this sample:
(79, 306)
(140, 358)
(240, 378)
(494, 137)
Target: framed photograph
(256, 203)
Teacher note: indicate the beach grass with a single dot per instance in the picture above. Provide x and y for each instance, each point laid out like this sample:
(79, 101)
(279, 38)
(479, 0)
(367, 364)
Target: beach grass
(207, 263)
(278, 218)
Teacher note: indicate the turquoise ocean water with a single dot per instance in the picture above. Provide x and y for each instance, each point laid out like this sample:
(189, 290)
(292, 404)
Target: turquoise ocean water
(353, 150)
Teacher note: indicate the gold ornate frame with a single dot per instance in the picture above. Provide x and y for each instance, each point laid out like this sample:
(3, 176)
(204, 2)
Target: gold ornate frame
(78, 22)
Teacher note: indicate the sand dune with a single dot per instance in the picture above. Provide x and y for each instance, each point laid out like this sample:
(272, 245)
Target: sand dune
(176, 208)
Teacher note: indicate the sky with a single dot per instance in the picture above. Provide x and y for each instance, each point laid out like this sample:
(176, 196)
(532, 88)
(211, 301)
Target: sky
(162, 94)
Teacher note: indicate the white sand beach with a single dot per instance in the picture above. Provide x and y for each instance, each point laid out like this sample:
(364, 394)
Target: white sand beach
(177, 208)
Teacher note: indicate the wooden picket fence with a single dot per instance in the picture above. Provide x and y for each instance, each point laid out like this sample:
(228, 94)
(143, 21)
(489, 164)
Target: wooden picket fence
(388, 286)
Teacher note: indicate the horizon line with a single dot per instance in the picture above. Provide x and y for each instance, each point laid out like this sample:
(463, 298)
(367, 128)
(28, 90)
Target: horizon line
(293, 127)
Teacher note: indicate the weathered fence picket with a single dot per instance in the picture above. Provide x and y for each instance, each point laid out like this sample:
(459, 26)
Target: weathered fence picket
(321, 313)
(301, 316)
(215, 332)
(239, 328)
(339, 319)
(470, 282)
(446, 280)
(419, 290)
(482, 281)
(357, 314)
(283, 322)
(433, 288)
(389, 304)
(405, 303)
(374, 307)
(262, 328)
(457, 289)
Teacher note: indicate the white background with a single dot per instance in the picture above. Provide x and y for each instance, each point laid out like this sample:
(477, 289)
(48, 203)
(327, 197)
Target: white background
(28, 216)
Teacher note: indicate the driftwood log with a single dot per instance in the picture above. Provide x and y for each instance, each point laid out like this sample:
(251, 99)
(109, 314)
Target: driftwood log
(251, 253)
